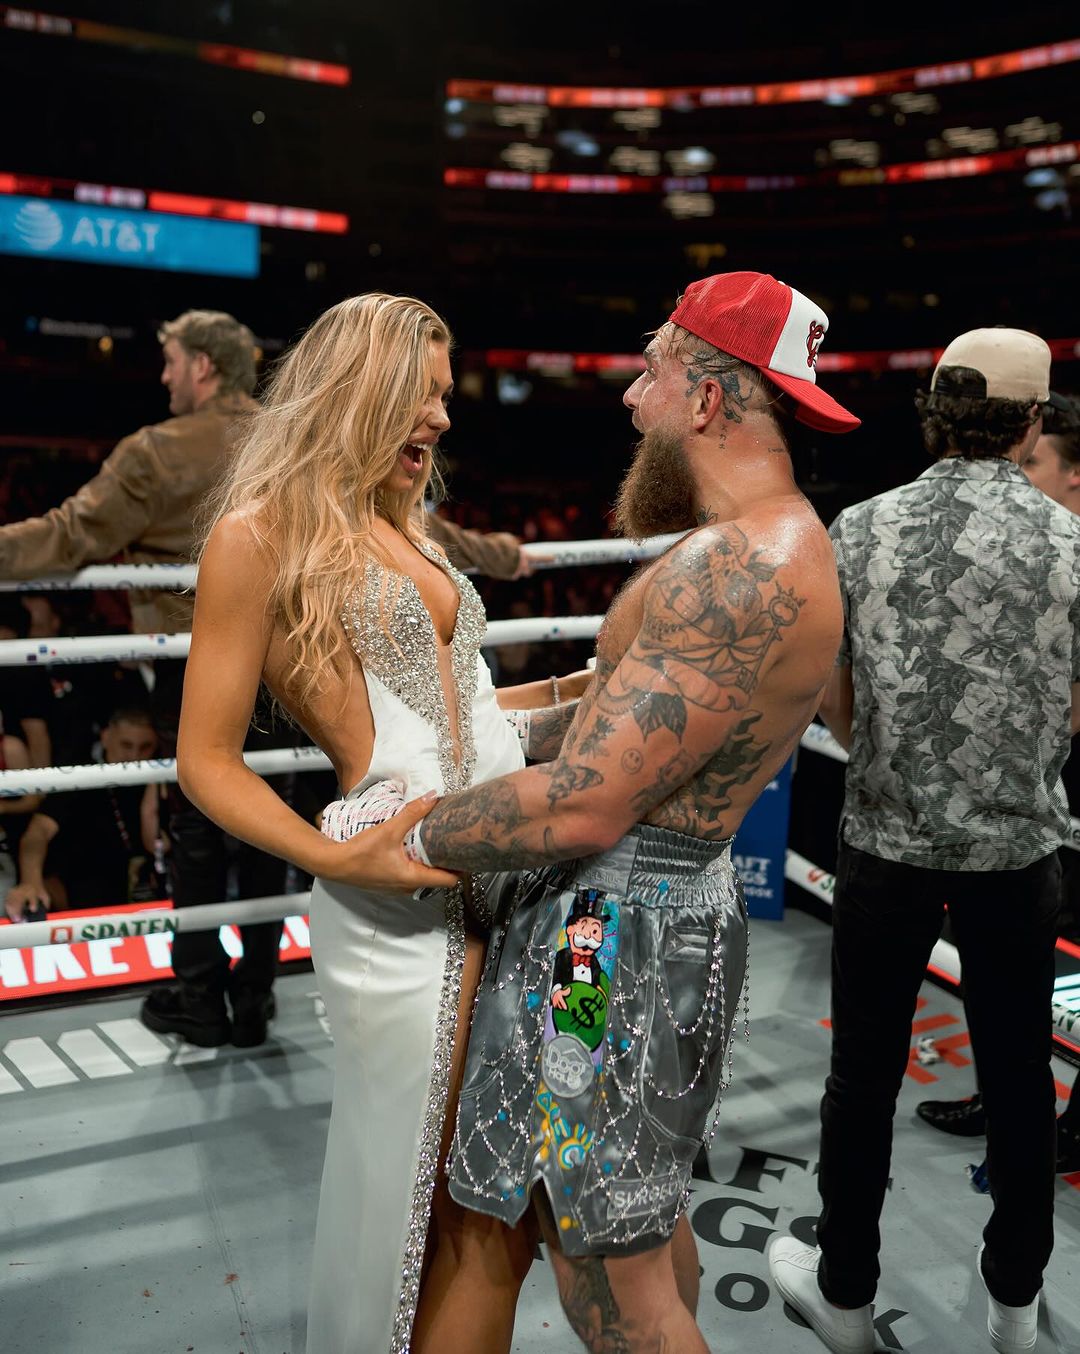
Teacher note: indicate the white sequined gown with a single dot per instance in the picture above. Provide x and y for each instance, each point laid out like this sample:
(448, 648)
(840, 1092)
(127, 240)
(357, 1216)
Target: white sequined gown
(389, 970)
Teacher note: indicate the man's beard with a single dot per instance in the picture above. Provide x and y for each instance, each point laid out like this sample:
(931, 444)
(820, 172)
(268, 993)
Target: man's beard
(181, 402)
(658, 492)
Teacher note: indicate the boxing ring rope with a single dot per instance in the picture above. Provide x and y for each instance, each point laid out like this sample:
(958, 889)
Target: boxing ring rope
(17, 653)
(175, 577)
(142, 647)
(50, 780)
(163, 920)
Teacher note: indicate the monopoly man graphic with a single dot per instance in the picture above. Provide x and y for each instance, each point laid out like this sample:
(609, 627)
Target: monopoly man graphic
(581, 979)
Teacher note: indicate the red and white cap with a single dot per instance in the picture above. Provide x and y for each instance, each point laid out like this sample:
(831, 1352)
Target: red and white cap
(771, 326)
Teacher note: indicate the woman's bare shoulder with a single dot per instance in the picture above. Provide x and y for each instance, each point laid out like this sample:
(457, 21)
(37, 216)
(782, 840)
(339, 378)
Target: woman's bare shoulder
(238, 555)
(243, 535)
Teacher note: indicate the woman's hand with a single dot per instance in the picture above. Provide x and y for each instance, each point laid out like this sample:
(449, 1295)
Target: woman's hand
(375, 857)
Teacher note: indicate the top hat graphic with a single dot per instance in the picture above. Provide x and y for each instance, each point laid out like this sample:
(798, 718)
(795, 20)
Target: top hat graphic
(588, 903)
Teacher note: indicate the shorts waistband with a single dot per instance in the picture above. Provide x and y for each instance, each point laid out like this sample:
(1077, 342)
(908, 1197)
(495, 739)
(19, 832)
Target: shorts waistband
(655, 866)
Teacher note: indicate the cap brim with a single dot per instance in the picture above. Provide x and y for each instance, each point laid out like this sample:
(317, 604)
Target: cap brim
(815, 408)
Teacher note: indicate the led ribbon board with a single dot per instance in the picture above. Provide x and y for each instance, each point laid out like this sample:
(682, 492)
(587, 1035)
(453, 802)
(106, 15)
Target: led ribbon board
(840, 88)
(215, 53)
(107, 235)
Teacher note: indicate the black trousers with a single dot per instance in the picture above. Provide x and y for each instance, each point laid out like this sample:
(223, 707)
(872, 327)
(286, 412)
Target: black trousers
(200, 860)
(886, 919)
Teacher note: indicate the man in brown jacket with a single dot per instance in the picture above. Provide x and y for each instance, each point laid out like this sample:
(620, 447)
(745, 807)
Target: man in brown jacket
(142, 505)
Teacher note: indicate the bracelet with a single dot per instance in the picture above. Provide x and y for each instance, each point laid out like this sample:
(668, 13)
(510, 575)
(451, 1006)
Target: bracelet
(555, 697)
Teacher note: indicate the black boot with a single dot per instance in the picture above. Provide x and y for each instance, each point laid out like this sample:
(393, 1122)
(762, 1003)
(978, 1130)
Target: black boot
(197, 1017)
(251, 1013)
(962, 1118)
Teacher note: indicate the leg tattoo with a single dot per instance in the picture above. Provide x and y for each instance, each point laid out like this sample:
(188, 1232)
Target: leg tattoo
(591, 1308)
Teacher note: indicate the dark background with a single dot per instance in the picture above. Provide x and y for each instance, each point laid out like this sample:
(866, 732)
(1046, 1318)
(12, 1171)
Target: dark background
(898, 266)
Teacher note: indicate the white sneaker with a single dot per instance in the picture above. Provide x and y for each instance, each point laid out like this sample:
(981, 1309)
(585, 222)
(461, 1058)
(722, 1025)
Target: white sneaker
(794, 1270)
(1012, 1329)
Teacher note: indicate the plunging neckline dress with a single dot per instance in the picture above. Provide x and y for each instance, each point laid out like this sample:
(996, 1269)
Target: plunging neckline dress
(389, 970)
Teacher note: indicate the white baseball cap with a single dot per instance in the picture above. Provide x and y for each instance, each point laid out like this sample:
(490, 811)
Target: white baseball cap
(1014, 365)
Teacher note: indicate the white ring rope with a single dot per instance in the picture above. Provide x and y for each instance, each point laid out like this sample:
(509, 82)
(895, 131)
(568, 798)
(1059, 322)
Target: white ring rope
(542, 554)
(50, 780)
(817, 738)
(17, 653)
(93, 925)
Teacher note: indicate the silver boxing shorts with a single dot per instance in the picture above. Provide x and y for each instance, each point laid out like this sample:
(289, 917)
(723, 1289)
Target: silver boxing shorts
(600, 1038)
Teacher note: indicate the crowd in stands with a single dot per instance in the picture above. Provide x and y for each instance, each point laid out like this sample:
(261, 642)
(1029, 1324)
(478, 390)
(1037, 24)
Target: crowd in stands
(85, 848)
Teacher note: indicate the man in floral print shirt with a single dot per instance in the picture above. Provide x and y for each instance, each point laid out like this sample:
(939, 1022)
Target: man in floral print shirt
(955, 693)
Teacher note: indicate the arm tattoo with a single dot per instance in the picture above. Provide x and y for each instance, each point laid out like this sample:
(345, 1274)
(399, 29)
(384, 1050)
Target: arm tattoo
(705, 637)
(670, 776)
(714, 613)
(565, 779)
(592, 745)
(715, 624)
(485, 829)
(585, 707)
(495, 803)
(652, 710)
(547, 729)
(707, 633)
(661, 711)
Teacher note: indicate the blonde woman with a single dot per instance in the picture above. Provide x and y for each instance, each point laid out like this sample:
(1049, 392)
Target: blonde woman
(316, 579)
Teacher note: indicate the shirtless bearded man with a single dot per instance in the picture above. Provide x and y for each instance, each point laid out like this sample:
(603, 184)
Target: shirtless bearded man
(710, 665)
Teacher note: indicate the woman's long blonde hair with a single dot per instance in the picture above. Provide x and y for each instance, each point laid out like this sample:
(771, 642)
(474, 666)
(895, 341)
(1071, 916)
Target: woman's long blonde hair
(308, 469)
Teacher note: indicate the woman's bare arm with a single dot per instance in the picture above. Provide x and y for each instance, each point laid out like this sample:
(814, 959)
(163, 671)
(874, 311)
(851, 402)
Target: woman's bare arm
(229, 645)
(541, 725)
(540, 695)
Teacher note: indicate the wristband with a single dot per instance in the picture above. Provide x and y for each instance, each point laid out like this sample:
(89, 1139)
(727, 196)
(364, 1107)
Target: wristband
(555, 691)
(521, 723)
(414, 846)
